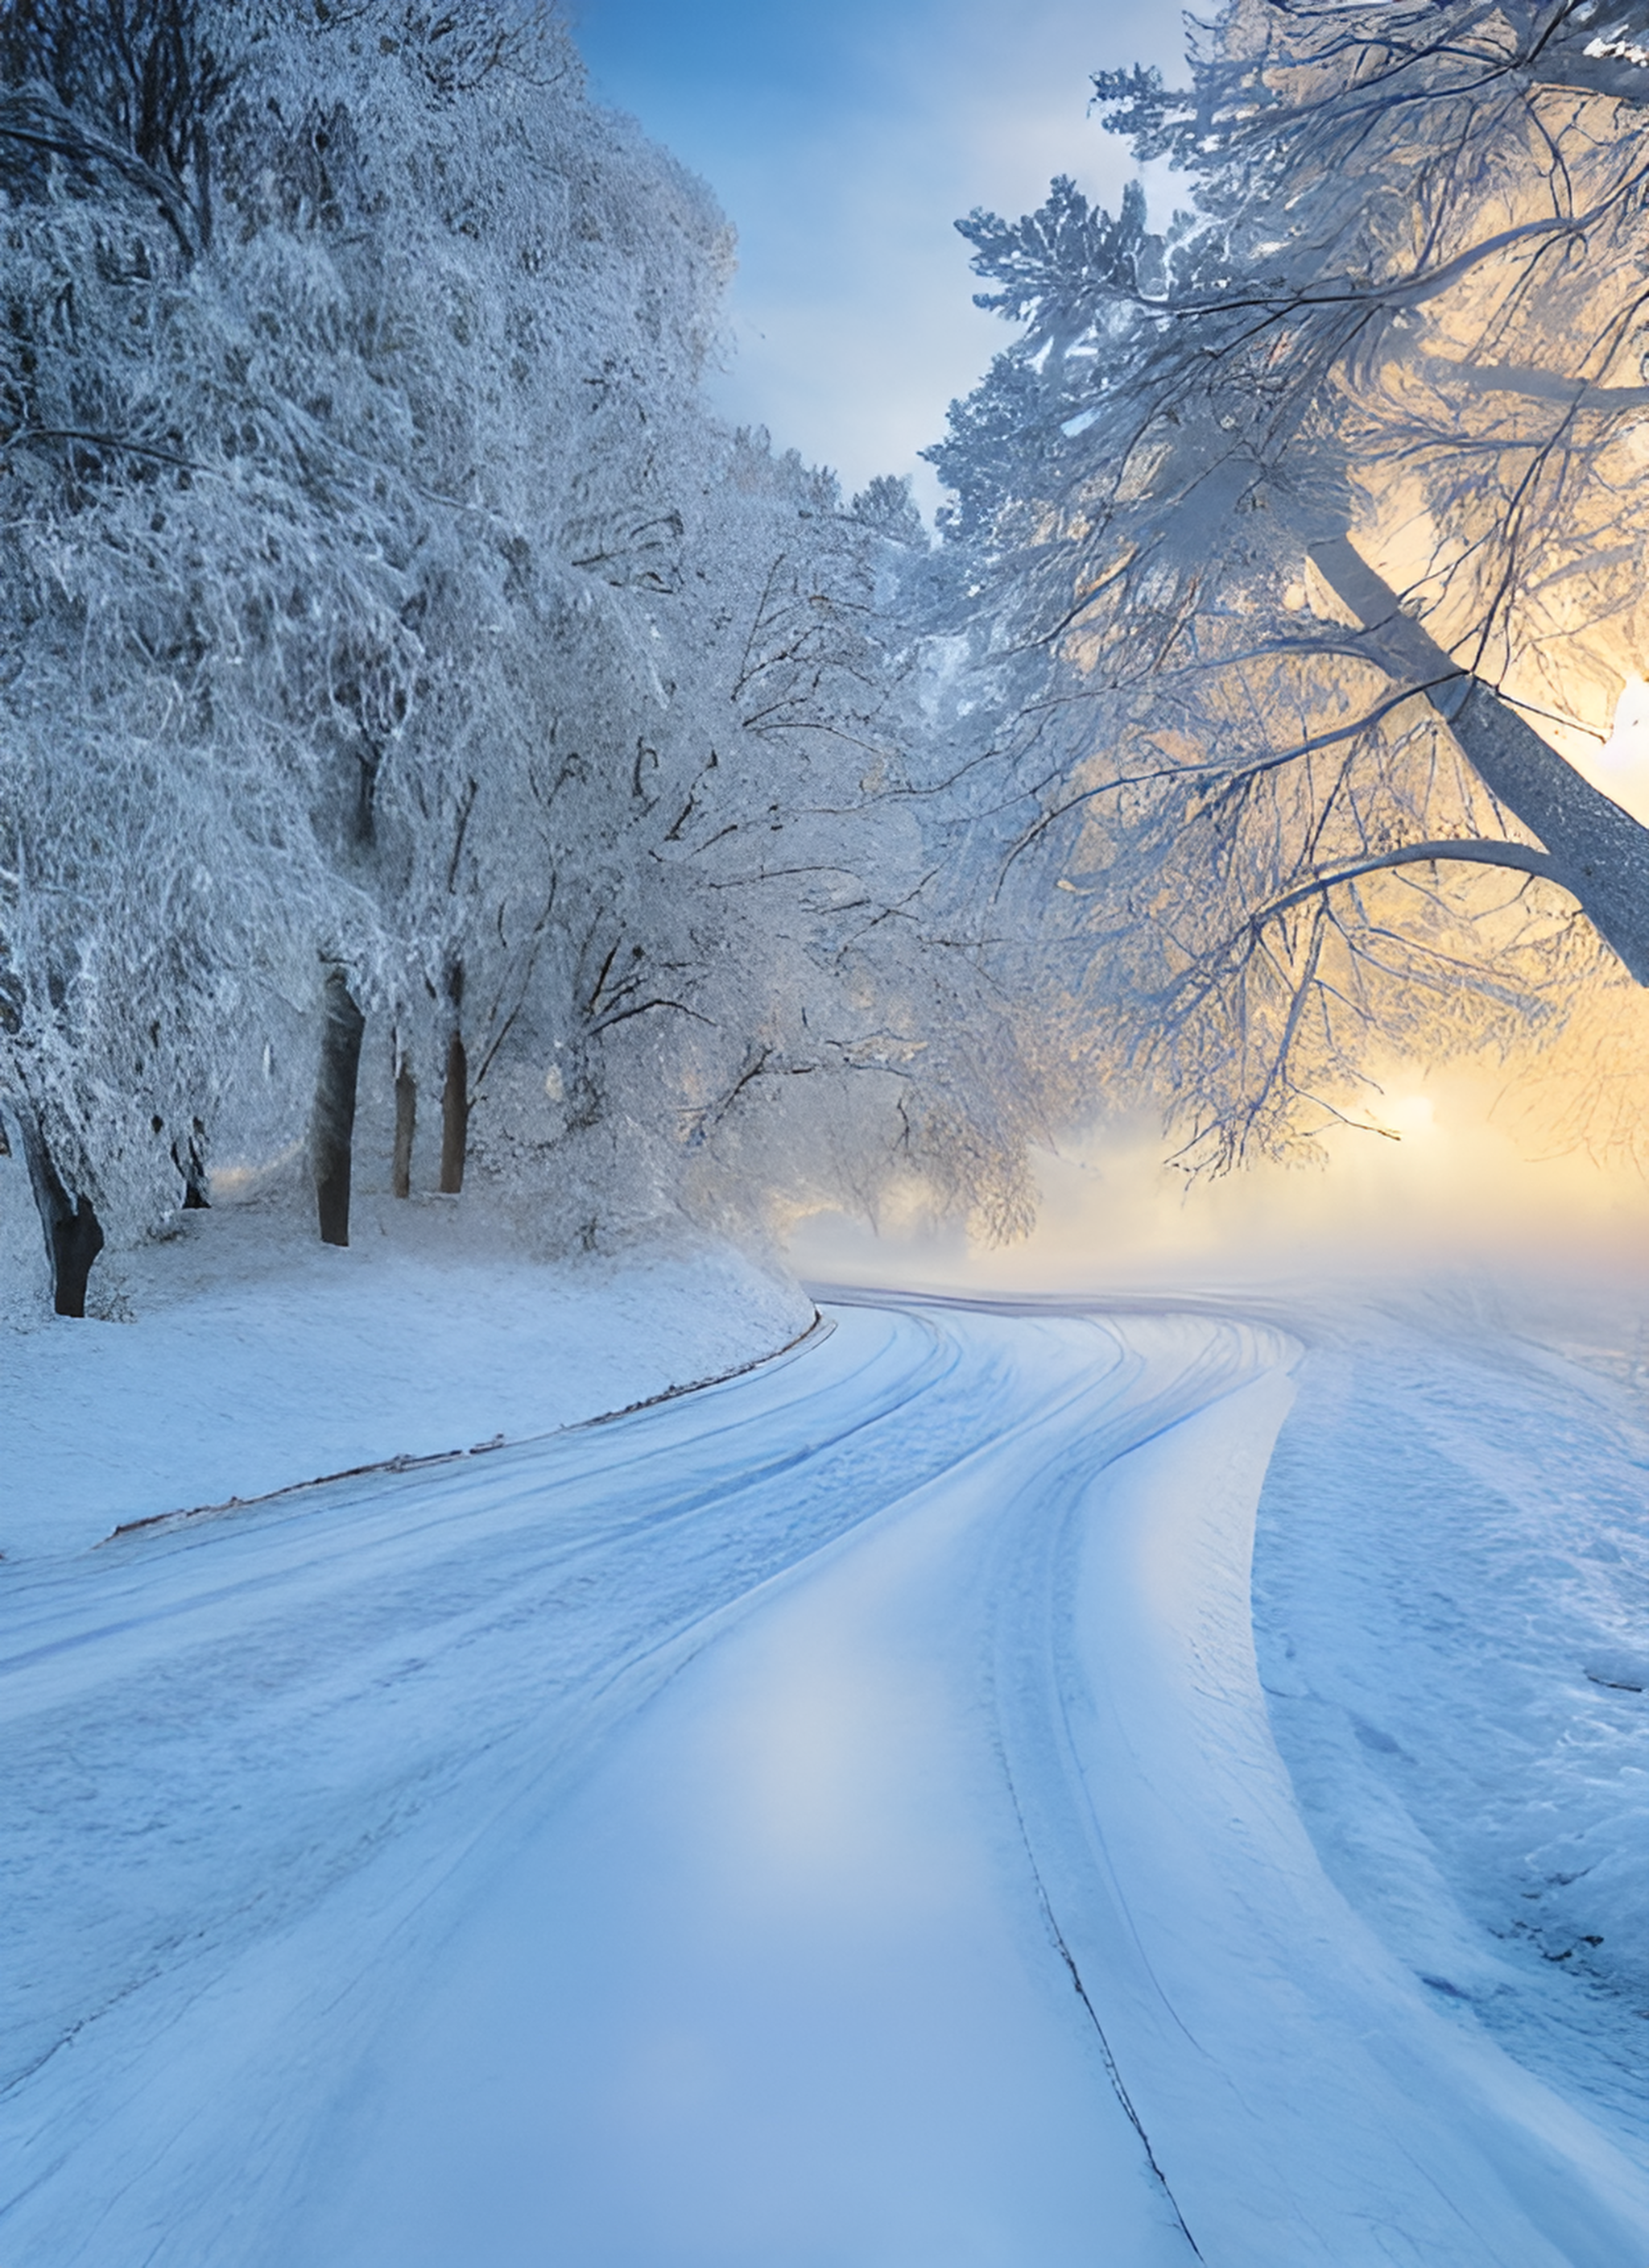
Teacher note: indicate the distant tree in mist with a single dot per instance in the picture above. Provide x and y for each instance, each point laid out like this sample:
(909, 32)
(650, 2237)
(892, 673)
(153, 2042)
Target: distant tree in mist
(1298, 542)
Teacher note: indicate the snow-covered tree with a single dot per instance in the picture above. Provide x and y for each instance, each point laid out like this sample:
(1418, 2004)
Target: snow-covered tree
(1274, 815)
(158, 858)
(410, 682)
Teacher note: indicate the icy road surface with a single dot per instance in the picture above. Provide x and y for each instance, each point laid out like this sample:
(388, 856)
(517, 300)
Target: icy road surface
(831, 1821)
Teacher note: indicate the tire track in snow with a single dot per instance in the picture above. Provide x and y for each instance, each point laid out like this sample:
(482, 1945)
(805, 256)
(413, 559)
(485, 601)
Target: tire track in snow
(675, 1849)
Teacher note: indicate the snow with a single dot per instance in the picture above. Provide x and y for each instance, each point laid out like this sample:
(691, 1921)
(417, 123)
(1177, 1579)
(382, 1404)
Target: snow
(1450, 1583)
(256, 1358)
(837, 1819)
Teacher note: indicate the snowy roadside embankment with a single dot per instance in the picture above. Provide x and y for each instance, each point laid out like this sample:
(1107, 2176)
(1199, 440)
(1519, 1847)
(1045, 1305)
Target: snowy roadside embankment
(1450, 1584)
(258, 1360)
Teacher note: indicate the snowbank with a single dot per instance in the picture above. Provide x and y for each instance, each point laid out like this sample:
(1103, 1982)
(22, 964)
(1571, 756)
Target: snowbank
(252, 1360)
(1450, 1575)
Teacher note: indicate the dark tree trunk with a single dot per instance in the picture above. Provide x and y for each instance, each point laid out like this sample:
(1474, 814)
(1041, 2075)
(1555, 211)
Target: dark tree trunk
(190, 1159)
(74, 1234)
(368, 761)
(454, 1093)
(406, 1127)
(1599, 852)
(454, 1117)
(331, 1133)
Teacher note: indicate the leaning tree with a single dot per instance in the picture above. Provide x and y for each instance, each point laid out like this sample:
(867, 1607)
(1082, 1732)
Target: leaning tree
(1306, 540)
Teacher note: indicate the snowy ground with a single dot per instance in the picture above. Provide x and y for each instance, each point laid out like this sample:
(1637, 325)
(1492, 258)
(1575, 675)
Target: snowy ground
(1452, 1609)
(838, 1821)
(249, 1357)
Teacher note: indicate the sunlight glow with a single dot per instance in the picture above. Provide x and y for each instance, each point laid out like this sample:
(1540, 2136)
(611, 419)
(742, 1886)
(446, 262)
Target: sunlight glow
(1411, 1114)
(1621, 766)
(1460, 1187)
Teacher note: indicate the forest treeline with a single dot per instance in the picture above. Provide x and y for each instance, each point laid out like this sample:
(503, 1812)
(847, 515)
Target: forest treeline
(425, 726)
(413, 697)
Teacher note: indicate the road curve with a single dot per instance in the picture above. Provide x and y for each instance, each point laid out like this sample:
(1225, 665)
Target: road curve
(828, 1821)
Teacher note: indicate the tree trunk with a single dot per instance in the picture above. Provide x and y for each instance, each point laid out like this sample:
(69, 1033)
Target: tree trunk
(1601, 852)
(454, 1117)
(189, 1158)
(74, 1234)
(406, 1127)
(332, 1132)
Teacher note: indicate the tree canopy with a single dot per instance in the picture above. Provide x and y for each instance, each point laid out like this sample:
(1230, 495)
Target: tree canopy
(1309, 534)
(396, 645)
(414, 696)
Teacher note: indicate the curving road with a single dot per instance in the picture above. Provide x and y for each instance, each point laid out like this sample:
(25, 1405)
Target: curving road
(830, 1821)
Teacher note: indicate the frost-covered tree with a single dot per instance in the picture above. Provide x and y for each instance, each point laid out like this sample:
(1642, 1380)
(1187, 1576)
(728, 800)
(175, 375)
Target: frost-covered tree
(818, 841)
(410, 684)
(155, 859)
(1311, 536)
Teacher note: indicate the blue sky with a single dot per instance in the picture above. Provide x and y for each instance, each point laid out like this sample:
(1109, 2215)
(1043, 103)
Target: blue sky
(844, 138)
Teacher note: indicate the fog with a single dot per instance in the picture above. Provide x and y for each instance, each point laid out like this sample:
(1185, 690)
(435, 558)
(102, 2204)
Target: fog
(1455, 1191)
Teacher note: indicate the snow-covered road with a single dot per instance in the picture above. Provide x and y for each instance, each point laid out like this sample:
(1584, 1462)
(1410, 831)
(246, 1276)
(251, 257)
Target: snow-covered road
(831, 1821)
